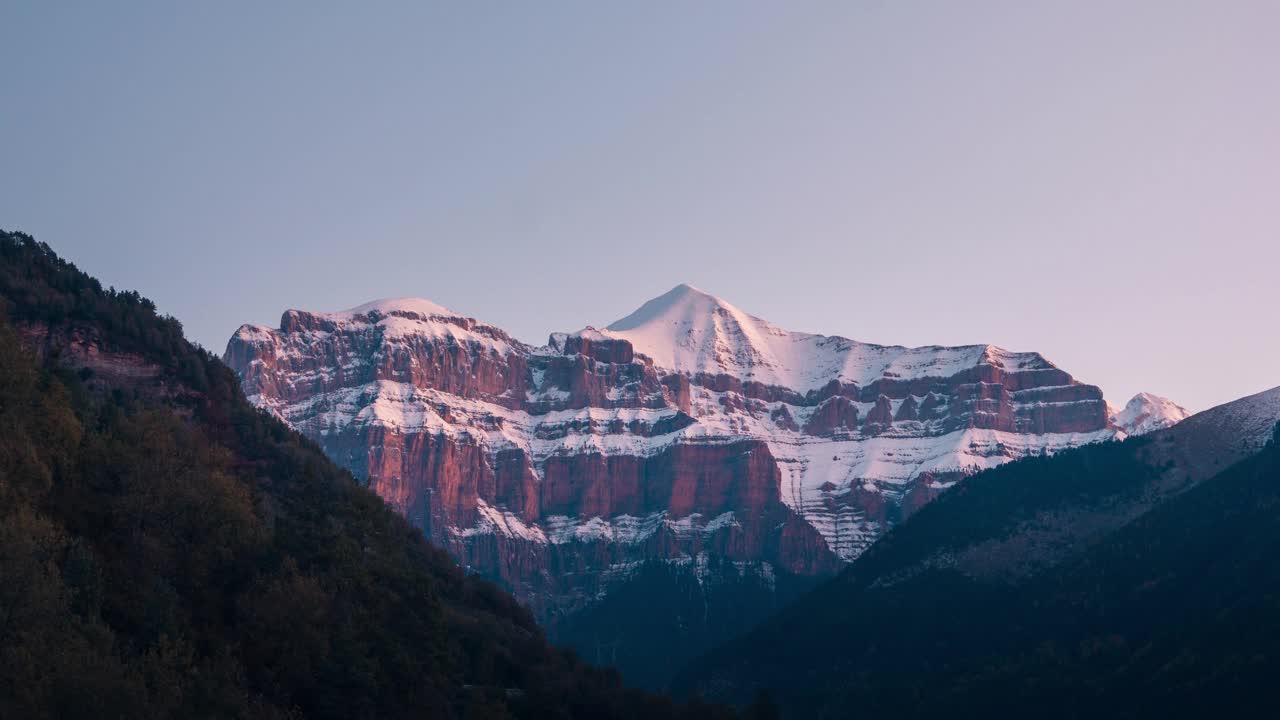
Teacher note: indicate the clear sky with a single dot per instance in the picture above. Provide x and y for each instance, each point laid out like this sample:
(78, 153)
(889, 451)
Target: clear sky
(1098, 181)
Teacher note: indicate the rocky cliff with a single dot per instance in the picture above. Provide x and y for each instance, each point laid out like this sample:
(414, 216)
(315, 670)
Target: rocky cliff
(688, 434)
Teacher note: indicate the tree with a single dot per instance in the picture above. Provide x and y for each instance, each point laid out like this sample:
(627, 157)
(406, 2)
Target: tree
(762, 708)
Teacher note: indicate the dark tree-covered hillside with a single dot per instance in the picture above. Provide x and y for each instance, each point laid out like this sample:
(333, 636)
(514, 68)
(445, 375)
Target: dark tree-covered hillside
(168, 551)
(1174, 613)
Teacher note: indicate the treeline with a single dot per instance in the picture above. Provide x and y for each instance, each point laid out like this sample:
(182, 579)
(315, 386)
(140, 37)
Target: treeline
(203, 560)
(40, 287)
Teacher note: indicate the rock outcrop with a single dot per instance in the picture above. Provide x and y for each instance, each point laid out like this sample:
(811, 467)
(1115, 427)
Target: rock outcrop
(685, 433)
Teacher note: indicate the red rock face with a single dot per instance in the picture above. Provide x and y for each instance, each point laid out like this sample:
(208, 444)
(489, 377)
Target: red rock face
(334, 358)
(881, 416)
(783, 418)
(82, 348)
(739, 480)
(676, 495)
(599, 349)
(559, 470)
(908, 411)
(835, 413)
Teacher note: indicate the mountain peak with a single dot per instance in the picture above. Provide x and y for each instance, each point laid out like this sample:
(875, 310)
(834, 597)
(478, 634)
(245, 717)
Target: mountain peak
(1146, 412)
(411, 305)
(692, 331)
(681, 301)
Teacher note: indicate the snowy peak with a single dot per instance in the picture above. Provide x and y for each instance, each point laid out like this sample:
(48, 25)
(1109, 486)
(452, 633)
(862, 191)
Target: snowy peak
(404, 306)
(690, 331)
(681, 301)
(1147, 413)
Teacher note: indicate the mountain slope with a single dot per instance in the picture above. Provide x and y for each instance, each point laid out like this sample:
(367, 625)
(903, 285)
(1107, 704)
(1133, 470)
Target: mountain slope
(689, 451)
(1116, 580)
(166, 550)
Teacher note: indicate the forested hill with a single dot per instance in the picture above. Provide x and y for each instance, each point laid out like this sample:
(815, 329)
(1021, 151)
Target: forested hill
(166, 550)
(1119, 580)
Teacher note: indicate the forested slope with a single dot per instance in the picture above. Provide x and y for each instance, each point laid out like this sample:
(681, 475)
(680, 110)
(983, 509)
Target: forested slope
(167, 550)
(1133, 579)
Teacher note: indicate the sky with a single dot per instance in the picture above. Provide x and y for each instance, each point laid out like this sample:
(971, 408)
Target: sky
(1096, 181)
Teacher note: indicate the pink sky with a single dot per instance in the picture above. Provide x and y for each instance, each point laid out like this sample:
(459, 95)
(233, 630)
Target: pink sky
(1093, 180)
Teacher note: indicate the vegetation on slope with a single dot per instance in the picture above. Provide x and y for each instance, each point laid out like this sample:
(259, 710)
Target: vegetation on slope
(167, 550)
(1175, 613)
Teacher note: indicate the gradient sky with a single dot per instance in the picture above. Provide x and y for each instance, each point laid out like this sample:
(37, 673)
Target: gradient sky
(1098, 181)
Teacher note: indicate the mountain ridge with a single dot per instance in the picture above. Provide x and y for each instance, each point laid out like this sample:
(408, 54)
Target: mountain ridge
(688, 301)
(569, 470)
(762, 352)
(1066, 586)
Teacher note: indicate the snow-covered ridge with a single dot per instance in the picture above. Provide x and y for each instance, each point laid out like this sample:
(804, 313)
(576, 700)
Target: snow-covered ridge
(389, 306)
(692, 332)
(393, 318)
(562, 529)
(914, 421)
(1251, 420)
(1146, 413)
(689, 331)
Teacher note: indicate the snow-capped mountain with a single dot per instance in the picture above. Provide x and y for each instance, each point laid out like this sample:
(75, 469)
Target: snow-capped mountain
(692, 332)
(1146, 413)
(689, 434)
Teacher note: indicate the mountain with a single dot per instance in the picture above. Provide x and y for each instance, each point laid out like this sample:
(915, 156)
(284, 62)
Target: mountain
(690, 464)
(167, 550)
(1131, 579)
(1146, 412)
